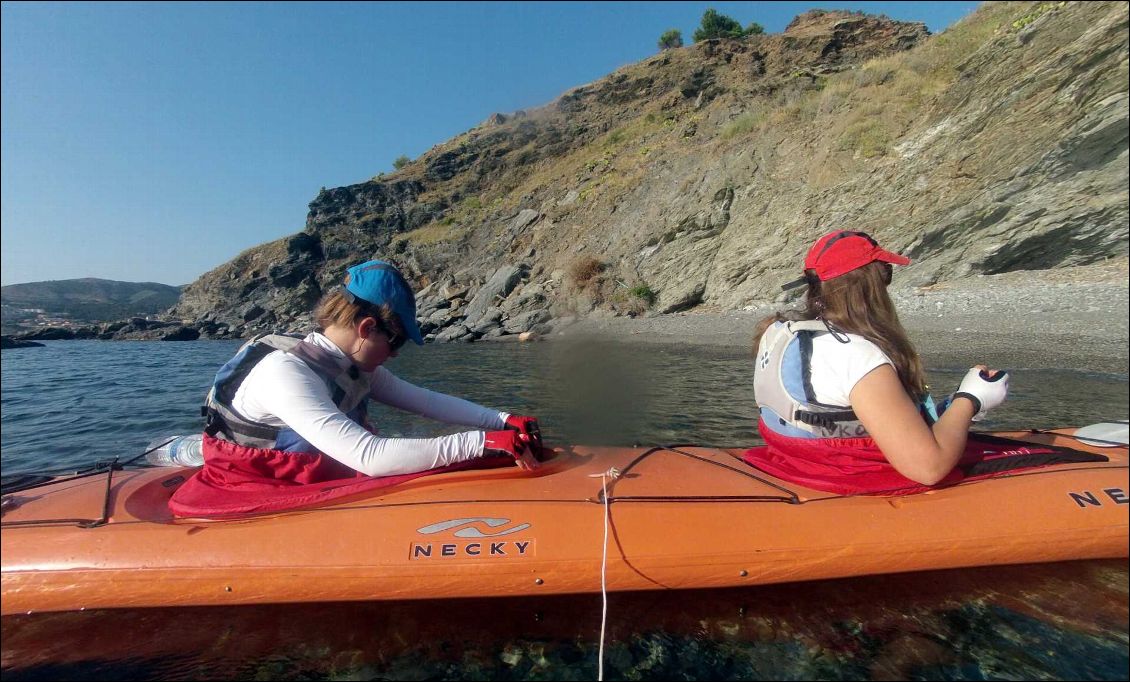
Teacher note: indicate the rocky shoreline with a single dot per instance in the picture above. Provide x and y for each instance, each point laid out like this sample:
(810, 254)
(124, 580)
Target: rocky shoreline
(1072, 318)
(135, 329)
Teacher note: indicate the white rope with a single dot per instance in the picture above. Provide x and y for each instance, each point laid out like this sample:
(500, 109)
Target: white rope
(613, 473)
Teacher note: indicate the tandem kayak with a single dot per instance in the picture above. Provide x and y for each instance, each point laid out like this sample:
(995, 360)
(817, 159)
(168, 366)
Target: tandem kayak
(673, 517)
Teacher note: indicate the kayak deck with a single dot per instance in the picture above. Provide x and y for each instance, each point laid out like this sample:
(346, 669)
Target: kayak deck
(680, 517)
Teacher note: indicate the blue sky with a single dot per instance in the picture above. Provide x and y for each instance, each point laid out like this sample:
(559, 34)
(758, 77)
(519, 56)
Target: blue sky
(155, 141)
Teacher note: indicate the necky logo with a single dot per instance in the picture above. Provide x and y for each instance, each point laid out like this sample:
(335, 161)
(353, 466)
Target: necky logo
(472, 528)
(470, 531)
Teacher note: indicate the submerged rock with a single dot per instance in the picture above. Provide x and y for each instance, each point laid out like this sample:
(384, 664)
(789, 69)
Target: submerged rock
(9, 342)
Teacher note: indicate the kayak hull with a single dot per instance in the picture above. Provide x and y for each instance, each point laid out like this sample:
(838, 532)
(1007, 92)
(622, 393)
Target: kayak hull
(682, 518)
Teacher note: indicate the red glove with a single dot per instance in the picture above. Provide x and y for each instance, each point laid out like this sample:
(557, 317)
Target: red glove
(509, 443)
(503, 442)
(527, 428)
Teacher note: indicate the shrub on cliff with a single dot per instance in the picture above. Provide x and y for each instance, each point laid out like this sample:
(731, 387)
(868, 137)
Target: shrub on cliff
(584, 269)
(671, 39)
(644, 293)
(715, 25)
(401, 161)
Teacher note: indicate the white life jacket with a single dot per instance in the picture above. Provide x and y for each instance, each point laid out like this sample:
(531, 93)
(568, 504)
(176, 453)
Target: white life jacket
(782, 386)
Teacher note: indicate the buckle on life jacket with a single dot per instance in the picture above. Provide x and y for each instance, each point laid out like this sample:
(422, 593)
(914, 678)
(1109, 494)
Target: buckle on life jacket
(824, 420)
(214, 423)
(218, 426)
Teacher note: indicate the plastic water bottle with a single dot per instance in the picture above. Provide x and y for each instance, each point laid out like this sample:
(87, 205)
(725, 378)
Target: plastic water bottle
(182, 451)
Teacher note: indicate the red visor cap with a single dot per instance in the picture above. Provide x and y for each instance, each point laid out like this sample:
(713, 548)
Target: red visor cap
(840, 252)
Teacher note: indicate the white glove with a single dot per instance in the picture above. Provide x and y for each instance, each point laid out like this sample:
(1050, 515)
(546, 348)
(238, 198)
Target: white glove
(985, 393)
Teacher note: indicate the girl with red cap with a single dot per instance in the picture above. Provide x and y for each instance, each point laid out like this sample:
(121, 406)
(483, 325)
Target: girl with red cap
(842, 392)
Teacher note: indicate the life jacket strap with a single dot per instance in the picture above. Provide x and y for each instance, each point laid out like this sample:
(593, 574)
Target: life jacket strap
(824, 420)
(219, 427)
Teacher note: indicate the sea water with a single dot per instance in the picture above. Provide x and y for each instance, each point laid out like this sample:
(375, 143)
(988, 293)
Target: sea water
(70, 403)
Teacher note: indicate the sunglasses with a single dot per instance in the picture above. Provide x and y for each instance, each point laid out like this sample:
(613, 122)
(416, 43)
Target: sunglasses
(395, 341)
(888, 273)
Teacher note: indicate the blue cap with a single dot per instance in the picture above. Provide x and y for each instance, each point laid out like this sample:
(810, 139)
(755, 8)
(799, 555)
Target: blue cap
(378, 282)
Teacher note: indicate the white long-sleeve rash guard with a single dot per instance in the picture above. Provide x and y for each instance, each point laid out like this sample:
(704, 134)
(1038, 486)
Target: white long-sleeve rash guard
(283, 391)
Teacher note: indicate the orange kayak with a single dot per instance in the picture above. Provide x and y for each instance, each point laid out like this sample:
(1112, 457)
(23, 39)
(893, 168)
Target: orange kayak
(679, 517)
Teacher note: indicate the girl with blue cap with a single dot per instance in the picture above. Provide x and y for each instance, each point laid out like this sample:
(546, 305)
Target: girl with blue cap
(287, 418)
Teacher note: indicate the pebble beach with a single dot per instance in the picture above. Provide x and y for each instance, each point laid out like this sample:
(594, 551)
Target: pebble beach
(1069, 318)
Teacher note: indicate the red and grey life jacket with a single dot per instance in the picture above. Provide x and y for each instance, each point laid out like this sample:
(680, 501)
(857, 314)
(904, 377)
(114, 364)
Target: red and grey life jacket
(348, 386)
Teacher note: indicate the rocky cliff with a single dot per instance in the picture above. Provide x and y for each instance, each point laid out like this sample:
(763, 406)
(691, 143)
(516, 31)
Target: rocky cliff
(701, 175)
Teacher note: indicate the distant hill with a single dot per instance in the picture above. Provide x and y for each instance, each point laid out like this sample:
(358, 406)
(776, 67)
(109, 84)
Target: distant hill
(85, 300)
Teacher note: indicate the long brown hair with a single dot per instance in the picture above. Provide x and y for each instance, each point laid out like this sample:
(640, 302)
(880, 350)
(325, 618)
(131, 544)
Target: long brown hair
(858, 302)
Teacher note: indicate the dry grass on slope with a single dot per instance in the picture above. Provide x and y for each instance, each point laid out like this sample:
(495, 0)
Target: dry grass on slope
(863, 111)
(848, 118)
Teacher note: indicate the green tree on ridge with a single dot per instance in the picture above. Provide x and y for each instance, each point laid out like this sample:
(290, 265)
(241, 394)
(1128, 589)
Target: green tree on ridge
(671, 39)
(717, 25)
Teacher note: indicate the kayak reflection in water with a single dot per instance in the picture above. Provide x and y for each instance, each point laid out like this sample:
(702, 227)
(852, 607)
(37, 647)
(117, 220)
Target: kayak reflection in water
(286, 417)
(842, 392)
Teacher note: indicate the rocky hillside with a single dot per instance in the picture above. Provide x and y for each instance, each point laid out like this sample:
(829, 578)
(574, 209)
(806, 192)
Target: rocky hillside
(84, 300)
(701, 175)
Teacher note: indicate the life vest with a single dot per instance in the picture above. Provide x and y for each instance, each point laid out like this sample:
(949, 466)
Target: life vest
(819, 445)
(782, 385)
(348, 385)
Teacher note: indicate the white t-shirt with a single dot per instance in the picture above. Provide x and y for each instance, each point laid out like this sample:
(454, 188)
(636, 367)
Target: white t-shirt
(284, 391)
(837, 367)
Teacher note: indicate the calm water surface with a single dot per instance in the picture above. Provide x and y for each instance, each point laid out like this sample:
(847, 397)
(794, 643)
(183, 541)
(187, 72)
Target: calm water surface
(69, 403)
